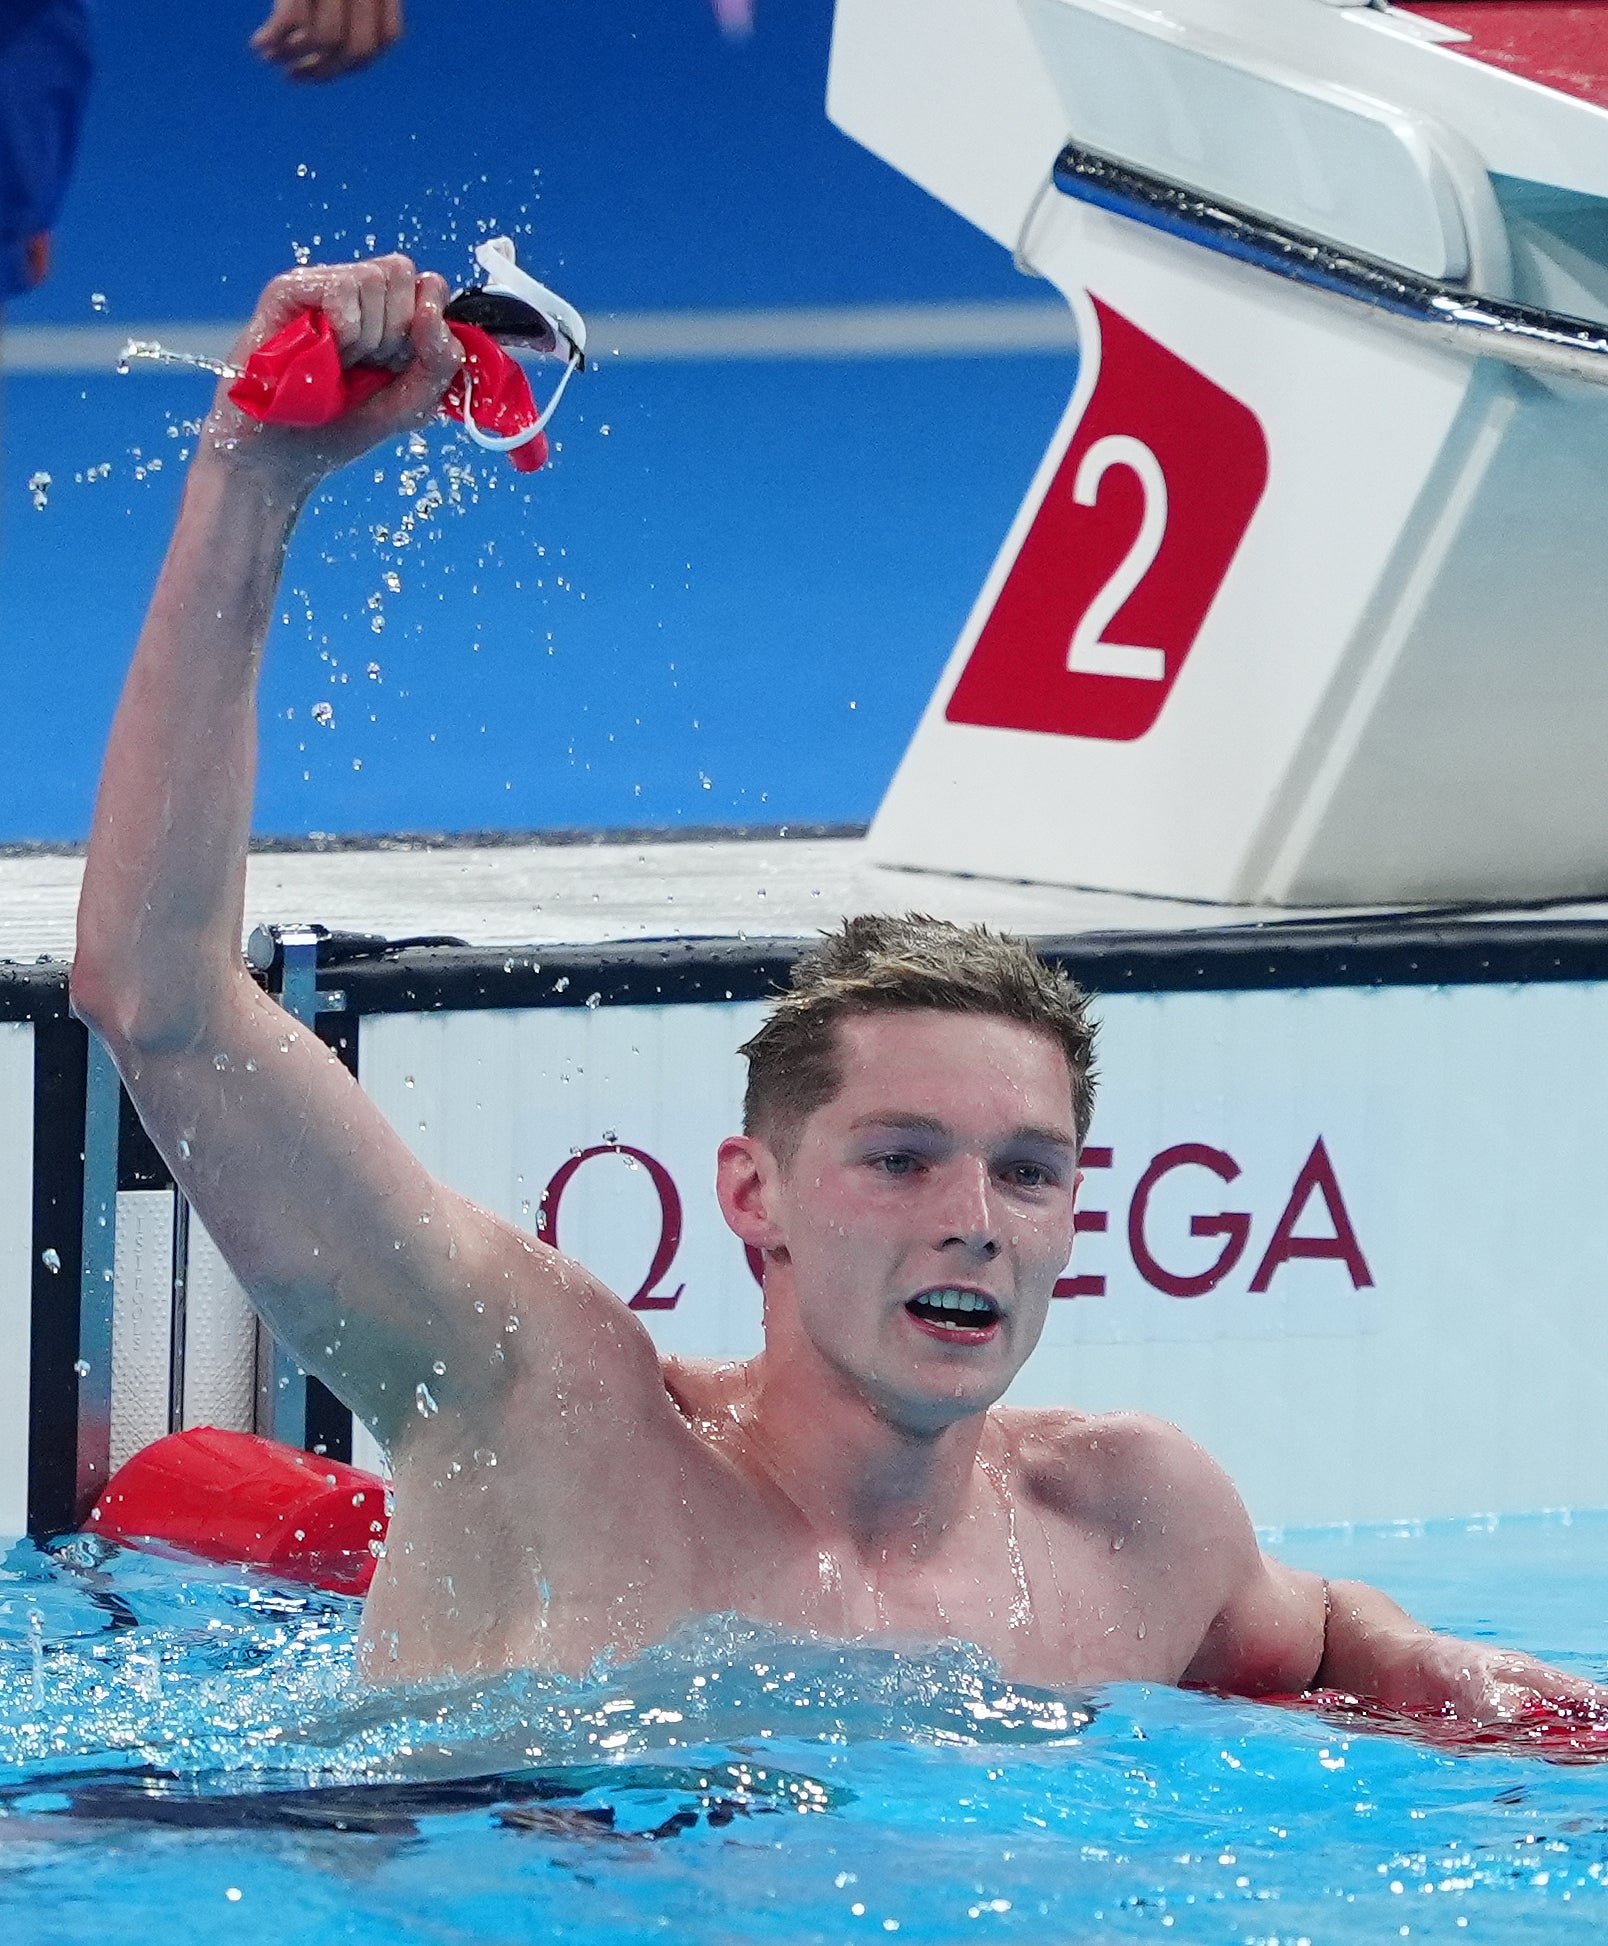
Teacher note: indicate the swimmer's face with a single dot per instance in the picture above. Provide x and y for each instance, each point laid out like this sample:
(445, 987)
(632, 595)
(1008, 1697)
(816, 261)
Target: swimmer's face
(927, 1210)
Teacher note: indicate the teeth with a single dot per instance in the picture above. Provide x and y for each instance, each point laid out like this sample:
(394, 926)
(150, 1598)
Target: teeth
(959, 1302)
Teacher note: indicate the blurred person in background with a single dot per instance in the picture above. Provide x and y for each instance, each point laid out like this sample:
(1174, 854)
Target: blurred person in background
(320, 40)
(45, 71)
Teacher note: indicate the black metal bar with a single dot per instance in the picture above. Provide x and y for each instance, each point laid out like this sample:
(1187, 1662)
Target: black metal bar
(60, 1053)
(179, 1313)
(1396, 950)
(1446, 946)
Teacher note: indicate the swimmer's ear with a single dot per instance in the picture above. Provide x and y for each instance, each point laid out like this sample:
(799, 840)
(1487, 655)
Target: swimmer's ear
(746, 1179)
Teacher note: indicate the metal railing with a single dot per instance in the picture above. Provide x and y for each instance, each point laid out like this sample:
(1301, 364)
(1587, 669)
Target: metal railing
(1546, 342)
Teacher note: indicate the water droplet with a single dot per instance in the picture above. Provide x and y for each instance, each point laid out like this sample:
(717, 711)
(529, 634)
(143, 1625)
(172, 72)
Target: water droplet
(439, 1368)
(423, 1400)
(324, 713)
(39, 490)
(184, 1148)
(97, 300)
(81, 1367)
(51, 1259)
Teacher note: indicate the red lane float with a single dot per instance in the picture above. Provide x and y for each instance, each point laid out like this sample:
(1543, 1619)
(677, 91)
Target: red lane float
(235, 1497)
(1551, 1731)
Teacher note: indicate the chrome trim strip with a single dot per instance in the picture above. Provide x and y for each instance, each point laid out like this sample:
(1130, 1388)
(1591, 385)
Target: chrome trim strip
(1480, 327)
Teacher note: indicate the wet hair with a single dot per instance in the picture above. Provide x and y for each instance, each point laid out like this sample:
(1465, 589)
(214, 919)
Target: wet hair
(882, 964)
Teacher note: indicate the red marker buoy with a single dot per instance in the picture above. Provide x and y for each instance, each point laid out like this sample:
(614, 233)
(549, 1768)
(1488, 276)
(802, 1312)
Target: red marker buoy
(235, 1497)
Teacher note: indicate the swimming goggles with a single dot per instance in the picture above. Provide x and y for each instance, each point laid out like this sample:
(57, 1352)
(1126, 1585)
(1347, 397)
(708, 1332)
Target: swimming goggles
(521, 315)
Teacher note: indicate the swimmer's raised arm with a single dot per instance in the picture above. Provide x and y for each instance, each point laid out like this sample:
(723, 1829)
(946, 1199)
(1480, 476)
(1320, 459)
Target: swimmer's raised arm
(372, 1272)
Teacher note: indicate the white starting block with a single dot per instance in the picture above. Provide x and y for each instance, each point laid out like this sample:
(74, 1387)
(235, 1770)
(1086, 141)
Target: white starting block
(1308, 601)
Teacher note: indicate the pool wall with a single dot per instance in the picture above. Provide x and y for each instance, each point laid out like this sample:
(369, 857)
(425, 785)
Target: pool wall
(1340, 1218)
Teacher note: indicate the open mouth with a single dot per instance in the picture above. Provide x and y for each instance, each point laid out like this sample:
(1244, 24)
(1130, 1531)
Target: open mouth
(955, 1313)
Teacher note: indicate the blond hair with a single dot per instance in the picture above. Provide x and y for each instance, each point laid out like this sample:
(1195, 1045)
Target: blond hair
(882, 964)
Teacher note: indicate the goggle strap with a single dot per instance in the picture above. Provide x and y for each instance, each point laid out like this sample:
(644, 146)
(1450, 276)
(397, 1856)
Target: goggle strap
(500, 443)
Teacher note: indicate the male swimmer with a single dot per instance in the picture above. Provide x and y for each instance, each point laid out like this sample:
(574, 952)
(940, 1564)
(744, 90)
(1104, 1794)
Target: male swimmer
(908, 1171)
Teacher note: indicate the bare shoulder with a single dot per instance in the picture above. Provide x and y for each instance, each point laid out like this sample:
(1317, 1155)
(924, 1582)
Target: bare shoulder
(1127, 1471)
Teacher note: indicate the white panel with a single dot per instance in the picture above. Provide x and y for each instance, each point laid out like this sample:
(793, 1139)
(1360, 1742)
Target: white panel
(1373, 442)
(1297, 149)
(1472, 1164)
(142, 1320)
(973, 117)
(16, 1269)
(1467, 1165)
(367, 1451)
(220, 1341)
(496, 1103)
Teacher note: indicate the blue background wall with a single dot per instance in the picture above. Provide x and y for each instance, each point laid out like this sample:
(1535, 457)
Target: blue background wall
(753, 571)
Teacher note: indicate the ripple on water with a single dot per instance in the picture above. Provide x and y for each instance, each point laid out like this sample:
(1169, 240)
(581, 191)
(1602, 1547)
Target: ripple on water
(178, 1744)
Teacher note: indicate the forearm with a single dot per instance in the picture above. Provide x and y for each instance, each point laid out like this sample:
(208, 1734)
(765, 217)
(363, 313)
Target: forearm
(1374, 1650)
(160, 915)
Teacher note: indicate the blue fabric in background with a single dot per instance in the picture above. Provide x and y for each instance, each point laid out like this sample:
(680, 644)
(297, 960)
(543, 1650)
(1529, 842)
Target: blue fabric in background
(45, 72)
(729, 596)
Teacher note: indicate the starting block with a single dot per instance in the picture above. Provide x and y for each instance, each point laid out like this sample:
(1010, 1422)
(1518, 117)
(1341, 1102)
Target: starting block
(1307, 603)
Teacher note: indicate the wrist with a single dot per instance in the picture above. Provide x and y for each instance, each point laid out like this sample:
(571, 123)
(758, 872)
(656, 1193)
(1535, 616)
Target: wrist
(253, 484)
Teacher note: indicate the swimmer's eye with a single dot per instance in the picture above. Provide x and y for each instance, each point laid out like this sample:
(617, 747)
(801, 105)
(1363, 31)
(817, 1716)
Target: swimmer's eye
(1030, 1175)
(896, 1162)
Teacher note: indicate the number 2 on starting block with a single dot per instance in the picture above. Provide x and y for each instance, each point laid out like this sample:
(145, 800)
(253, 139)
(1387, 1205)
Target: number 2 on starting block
(1135, 535)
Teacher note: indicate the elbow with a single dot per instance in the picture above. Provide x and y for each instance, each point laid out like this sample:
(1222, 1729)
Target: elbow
(136, 1016)
(98, 998)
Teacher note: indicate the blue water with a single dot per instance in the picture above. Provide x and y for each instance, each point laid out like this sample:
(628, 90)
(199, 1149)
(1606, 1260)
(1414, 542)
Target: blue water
(730, 607)
(184, 1753)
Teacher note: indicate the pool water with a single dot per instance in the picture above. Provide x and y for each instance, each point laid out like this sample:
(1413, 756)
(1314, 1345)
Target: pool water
(184, 1753)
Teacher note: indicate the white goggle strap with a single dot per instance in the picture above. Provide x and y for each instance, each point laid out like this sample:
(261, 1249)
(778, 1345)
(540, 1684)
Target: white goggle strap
(496, 442)
(504, 277)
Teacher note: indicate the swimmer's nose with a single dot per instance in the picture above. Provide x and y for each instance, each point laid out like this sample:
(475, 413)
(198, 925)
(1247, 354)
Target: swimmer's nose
(970, 1216)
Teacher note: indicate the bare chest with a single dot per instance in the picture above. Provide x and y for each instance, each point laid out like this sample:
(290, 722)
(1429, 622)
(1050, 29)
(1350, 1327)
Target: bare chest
(1049, 1600)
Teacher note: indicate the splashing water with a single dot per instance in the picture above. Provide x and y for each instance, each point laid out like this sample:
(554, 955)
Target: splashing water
(184, 1749)
(149, 349)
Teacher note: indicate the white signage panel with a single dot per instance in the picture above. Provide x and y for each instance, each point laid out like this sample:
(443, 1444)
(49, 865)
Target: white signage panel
(613, 1116)
(1346, 1238)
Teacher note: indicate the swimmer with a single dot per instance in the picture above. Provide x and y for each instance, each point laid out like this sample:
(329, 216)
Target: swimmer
(908, 1172)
